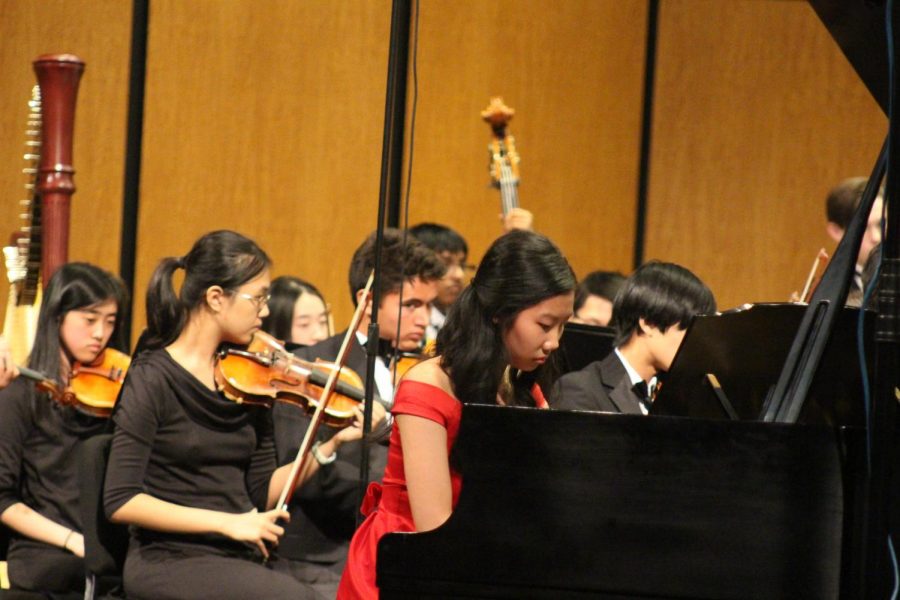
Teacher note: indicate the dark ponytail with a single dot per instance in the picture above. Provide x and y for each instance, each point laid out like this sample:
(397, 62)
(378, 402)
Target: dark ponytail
(519, 270)
(224, 258)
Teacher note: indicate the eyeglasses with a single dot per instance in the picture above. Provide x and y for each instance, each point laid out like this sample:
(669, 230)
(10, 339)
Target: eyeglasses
(258, 301)
(451, 260)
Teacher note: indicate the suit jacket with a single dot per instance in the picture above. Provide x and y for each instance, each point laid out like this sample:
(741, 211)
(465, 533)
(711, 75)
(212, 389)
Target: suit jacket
(603, 386)
(323, 511)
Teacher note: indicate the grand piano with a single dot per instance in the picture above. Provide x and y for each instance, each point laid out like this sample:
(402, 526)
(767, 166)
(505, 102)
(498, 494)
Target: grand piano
(765, 504)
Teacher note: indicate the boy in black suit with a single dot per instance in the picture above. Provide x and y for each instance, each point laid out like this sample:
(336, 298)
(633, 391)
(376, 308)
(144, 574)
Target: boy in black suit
(650, 315)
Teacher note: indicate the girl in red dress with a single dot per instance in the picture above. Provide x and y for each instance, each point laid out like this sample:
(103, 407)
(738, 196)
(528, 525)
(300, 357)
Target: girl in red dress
(508, 320)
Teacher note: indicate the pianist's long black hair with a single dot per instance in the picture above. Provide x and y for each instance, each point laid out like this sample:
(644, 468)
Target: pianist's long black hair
(519, 270)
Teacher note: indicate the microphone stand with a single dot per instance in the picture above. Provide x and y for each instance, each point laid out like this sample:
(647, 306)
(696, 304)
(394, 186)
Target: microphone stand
(880, 511)
(391, 167)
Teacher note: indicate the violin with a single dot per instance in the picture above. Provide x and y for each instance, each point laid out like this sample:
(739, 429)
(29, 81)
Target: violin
(328, 391)
(404, 361)
(93, 388)
(265, 372)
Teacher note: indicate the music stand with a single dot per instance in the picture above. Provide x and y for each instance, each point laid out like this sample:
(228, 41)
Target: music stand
(581, 345)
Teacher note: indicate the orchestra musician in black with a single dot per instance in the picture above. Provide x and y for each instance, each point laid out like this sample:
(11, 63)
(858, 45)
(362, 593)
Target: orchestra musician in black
(840, 206)
(453, 251)
(324, 511)
(191, 471)
(594, 297)
(650, 315)
(298, 313)
(80, 314)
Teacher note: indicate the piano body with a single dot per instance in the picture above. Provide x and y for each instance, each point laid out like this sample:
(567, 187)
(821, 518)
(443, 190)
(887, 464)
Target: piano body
(590, 505)
(587, 505)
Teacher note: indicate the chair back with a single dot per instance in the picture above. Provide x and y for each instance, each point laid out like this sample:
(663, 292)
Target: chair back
(105, 543)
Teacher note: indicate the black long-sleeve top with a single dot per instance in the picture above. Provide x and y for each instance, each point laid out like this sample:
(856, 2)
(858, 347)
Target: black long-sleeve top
(38, 438)
(179, 441)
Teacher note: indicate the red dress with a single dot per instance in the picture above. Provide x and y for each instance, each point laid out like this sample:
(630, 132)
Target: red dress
(386, 505)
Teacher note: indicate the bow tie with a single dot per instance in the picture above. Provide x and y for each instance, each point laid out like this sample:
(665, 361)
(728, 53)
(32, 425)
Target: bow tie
(644, 394)
(385, 350)
(641, 390)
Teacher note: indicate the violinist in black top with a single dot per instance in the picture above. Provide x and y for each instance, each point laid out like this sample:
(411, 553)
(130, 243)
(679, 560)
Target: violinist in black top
(191, 471)
(38, 474)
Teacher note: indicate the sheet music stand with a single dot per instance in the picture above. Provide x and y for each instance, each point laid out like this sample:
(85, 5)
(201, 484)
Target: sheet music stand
(745, 350)
(581, 345)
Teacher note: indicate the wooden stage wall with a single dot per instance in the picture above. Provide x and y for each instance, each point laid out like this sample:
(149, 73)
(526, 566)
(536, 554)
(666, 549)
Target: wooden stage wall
(266, 117)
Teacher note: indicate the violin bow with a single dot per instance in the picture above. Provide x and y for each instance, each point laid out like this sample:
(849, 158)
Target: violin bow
(302, 458)
(821, 258)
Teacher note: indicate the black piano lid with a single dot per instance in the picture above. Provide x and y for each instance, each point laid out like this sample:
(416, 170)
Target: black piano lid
(858, 27)
(746, 348)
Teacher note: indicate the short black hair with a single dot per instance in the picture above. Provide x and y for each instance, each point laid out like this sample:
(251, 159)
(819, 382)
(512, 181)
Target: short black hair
(843, 200)
(663, 294)
(440, 238)
(403, 258)
(605, 284)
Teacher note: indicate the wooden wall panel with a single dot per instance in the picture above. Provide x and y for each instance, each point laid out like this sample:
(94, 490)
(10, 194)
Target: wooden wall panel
(264, 117)
(99, 32)
(574, 73)
(757, 116)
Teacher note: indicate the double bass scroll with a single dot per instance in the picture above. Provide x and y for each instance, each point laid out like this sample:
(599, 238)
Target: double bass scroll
(504, 160)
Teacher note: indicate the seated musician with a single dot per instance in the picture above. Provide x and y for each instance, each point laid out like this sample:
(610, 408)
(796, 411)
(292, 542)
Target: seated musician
(298, 313)
(840, 205)
(8, 369)
(507, 321)
(323, 514)
(594, 297)
(871, 273)
(453, 251)
(193, 472)
(81, 309)
(650, 315)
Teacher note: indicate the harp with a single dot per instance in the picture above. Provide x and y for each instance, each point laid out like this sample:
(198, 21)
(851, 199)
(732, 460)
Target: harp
(40, 244)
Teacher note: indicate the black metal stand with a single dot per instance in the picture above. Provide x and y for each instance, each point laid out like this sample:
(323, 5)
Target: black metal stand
(391, 169)
(880, 506)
